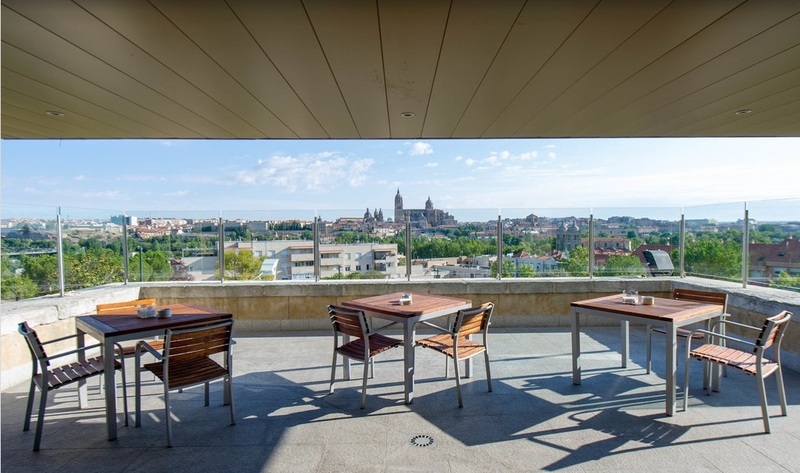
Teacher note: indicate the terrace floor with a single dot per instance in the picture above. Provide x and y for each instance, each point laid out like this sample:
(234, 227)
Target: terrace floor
(534, 420)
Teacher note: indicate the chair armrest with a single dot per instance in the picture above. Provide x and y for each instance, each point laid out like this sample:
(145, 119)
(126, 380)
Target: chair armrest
(725, 322)
(725, 337)
(149, 349)
(71, 352)
(441, 329)
(60, 339)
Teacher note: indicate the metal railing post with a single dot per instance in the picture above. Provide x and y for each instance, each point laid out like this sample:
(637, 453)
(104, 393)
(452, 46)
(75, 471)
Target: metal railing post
(408, 247)
(60, 253)
(745, 246)
(682, 245)
(591, 245)
(499, 246)
(315, 230)
(221, 250)
(125, 255)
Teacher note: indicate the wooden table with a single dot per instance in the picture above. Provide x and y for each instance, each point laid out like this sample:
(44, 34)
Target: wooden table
(423, 307)
(115, 326)
(667, 313)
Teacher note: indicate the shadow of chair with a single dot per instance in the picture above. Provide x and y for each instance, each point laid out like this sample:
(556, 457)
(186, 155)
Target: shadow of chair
(457, 343)
(367, 344)
(47, 379)
(707, 297)
(750, 359)
(186, 362)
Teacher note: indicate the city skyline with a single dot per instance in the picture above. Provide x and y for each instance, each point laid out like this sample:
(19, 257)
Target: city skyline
(323, 175)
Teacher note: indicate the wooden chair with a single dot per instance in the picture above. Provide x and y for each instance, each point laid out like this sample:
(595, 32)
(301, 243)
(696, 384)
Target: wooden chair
(46, 378)
(686, 295)
(128, 350)
(456, 344)
(367, 343)
(750, 359)
(186, 362)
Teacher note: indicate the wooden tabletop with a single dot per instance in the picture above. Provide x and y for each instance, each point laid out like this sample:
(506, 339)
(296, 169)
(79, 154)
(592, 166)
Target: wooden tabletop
(667, 310)
(125, 321)
(421, 304)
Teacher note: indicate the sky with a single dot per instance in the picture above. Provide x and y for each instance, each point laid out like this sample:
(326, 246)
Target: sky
(125, 176)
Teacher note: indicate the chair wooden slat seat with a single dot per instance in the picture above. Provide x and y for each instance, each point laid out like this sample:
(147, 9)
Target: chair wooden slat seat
(365, 345)
(444, 344)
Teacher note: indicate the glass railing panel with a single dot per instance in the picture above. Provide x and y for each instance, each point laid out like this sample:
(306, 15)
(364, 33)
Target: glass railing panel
(454, 244)
(774, 244)
(92, 245)
(536, 244)
(29, 259)
(713, 247)
(264, 245)
(172, 245)
(636, 241)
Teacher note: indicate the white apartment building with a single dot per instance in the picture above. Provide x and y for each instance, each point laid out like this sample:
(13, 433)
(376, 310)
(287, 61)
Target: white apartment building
(294, 259)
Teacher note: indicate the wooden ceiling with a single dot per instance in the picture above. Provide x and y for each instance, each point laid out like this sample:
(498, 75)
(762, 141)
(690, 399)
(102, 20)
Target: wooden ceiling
(353, 68)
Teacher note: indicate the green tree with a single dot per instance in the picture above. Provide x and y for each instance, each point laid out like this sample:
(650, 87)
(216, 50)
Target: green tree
(508, 269)
(160, 268)
(242, 265)
(578, 262)
(526, 271)
(624, 265)
(95, 267)
(709, 256)
(785, 280)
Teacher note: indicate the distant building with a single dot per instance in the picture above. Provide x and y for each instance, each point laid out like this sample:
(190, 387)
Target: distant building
(422, 218)
(769, 260)
(568, 237)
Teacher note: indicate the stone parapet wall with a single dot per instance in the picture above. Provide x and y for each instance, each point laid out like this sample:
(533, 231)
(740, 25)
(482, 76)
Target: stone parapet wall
(288, 306)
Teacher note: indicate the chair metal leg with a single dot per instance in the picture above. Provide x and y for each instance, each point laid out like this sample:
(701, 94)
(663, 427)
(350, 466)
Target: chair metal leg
(40, 420)
(488, 371)
(364, 385)
(124, 392)
(781, 390)
(29, 410)
(205, 394)
(762, 394)
(333, 372)
(649, 349)
(458, 382)
(229, 389)
(168, 420)
(137, 391)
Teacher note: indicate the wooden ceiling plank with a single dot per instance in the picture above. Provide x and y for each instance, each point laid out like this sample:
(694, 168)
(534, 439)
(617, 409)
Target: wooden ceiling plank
(73, 86)
(284, 32)
(349, 33)
(728, 32)
(604, 30)
(539, 31)
(46, 97)
(475, 31)
(411, 34)
(672, 26)
(45, 48)
(146, 45)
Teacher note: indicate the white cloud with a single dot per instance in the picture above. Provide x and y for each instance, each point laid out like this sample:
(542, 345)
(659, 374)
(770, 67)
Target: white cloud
(458, 158)
(469, 161)
(419, 148)
(319, 172)
(79, 177)
(431, 165)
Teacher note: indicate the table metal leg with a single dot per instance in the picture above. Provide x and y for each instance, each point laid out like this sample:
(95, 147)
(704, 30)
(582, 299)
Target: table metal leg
(110, 386)
(625, 339)
(576, 347)
(83, 397)
(671, 367)
(408, 360)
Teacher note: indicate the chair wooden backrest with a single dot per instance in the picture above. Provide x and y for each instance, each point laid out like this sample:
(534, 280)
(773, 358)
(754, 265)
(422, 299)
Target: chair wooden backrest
(706, 297)
(35, 346)
(472, 321)
(348, 321)
(196, 342)
(772, 331)
(124, 305)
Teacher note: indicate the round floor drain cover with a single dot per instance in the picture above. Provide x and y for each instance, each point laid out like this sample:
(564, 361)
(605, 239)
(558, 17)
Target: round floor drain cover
(422, 441)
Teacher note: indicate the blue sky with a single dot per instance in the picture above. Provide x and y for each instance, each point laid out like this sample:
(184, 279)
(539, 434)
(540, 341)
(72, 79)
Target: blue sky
(227, 175)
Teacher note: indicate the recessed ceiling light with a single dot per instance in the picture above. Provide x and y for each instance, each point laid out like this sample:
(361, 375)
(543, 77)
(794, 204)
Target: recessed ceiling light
(743, 111)
(54, 113)
(407, 114)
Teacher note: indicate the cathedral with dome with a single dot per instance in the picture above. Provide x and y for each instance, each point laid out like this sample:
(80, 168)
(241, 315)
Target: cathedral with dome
(422, 218)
